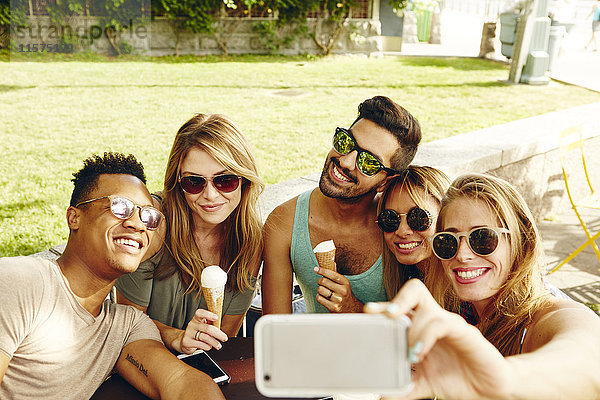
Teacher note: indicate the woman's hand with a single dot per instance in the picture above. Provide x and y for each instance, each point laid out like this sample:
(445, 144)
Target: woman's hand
(452, 360)
(335, 294)
(199, 334)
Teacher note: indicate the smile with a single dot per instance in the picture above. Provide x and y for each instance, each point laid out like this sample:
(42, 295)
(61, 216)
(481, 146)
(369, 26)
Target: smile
(408, 246)
(338, 175)
(212, 207)
(128, 242)
(471, 274)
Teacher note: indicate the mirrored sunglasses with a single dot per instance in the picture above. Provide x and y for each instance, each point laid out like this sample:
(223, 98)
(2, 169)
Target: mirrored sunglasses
(123, 208)
(482, 241)
(417, 219)
(194, 184)
(366, 162)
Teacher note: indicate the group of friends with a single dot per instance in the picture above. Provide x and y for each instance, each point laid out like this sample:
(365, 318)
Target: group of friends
(462, 259)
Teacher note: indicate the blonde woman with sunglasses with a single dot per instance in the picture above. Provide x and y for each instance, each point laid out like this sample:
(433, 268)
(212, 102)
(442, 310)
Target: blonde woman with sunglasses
(407, 215)
(528, 344)
(210, 200)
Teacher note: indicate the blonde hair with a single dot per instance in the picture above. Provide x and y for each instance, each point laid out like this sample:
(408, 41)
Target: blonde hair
(221, 139)
(523, 293)
(420, 183)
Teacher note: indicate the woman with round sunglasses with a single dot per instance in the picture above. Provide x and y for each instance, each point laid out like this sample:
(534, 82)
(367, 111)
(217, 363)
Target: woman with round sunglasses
(209, 200)
(407, 215)
(527, 344)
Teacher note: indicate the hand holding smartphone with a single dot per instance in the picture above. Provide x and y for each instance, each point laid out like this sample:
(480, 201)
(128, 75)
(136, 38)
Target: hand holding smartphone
(298, 355)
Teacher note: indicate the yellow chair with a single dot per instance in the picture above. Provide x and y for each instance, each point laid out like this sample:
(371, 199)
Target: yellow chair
(572, 140)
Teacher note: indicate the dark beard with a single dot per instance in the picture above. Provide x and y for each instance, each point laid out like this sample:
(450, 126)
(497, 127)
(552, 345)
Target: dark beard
(348, 195)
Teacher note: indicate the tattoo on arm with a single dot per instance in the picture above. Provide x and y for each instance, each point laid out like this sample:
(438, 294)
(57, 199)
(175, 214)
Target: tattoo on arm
(137, 364)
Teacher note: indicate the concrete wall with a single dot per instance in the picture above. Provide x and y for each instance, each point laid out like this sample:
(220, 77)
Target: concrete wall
(525, 153)
(363, 36)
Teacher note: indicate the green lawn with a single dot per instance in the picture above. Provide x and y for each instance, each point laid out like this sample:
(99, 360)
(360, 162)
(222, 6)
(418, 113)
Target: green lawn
(54, 114)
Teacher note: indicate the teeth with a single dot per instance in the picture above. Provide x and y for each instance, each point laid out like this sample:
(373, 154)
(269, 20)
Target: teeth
(470, 274)
(339, 176)
(128, 242)
(408, 246)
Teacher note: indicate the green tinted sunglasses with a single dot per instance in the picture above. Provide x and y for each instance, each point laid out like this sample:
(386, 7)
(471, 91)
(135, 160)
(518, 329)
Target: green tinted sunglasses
(366, 162)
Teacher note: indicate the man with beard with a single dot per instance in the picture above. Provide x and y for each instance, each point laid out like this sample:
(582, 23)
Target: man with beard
(382, 141)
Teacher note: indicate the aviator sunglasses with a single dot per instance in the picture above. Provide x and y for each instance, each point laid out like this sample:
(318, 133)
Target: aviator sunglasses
(366, 162)
(123, 208)
(194, 184)
(482, 241)
(417, 219)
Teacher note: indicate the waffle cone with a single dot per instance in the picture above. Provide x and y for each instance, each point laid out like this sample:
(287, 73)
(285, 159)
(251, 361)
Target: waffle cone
(214, 302)
(326, 259)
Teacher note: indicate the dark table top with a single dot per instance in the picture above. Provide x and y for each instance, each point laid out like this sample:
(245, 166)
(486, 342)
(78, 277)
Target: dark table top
(236, 358)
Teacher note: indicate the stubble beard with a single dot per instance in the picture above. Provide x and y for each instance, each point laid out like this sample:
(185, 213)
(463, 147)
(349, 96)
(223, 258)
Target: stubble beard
(349, 195)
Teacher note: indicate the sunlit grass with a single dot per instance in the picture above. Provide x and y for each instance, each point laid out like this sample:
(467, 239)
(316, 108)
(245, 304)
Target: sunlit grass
(55, 114)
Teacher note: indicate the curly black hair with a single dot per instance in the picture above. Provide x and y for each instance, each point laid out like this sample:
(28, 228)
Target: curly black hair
(86, 179)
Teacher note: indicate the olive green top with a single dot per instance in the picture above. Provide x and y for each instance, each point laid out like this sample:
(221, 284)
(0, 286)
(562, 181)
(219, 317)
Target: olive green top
(166, 299)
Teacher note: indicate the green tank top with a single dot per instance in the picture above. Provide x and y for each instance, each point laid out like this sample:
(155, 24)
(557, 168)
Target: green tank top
(366, 287)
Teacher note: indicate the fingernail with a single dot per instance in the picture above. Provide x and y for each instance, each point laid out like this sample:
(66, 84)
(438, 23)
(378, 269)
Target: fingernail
(316, 269)
(413, 352)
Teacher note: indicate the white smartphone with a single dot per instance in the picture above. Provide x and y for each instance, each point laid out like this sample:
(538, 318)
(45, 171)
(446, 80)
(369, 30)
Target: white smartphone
(202, 361)
(300, 355)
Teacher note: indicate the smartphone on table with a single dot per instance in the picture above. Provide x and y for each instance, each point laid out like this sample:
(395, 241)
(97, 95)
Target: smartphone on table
(203, 362)
(301, 355)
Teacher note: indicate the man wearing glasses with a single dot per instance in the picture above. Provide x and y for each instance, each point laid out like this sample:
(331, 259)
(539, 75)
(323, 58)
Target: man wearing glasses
(59, 338)
(380, 142)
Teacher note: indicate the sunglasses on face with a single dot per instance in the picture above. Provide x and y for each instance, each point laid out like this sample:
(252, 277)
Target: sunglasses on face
(417, 219)
(482, 241)
(367, 163)
(194, 184)
(123, 208)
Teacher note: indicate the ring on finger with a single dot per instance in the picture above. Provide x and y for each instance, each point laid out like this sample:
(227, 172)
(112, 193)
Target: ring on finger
(197, 335)
(330, 294)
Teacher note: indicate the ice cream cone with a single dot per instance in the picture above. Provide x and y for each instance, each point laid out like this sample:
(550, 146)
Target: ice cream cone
(214, 302)
(213, 288)
(325, 253)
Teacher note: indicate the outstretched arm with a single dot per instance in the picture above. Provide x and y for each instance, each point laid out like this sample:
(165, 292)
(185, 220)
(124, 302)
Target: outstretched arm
(156, 372)
(455, 361)
(277, 276)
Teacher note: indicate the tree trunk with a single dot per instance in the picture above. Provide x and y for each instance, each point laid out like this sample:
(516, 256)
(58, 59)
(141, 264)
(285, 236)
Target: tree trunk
(486, 48)
(112, 36)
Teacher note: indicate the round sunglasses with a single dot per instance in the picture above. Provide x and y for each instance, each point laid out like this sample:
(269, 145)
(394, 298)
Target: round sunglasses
(194, 184)
(366, 162)
(417, 219)
(123, 208)
(482, 241)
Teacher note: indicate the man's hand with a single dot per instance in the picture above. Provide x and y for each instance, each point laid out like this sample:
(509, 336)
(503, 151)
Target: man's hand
(199, 334)
(335, 294)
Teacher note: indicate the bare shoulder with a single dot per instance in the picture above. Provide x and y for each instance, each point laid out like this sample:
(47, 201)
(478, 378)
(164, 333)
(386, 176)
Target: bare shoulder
(562, 317)
(281, 219)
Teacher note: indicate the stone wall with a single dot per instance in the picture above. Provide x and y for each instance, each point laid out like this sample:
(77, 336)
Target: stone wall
(527, 154)
(158, 38)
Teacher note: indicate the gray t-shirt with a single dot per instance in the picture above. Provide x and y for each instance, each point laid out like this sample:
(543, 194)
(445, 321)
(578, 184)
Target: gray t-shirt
(166, 299)
(58, 350)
